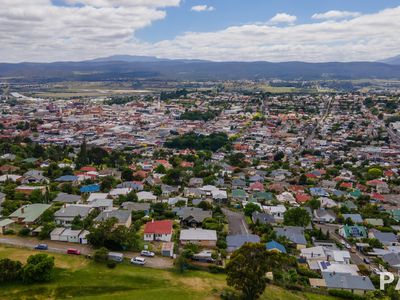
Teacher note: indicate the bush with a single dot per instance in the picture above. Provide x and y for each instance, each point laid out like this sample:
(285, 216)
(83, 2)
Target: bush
(10, 270)
(216, 269)
(24, 231)
(39, 268)
(111, 264)
(9, 232)
(228, 294)
(101, 255)
(345, 295)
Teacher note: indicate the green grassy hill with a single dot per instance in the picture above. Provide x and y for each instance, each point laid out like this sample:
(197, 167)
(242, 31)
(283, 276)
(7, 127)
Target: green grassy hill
(79, 278)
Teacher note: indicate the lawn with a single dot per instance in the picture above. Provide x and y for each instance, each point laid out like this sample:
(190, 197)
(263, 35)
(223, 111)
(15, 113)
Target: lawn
(78, 278)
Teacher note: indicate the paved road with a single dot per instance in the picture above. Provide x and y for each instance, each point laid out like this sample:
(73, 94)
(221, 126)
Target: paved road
(236, 221)
(157, 262)
(311, 136)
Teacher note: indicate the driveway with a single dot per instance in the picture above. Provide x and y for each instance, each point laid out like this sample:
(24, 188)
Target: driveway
(157, 262)
(236, 221)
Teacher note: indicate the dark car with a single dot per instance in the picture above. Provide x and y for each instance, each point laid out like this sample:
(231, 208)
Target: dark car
(41, 247)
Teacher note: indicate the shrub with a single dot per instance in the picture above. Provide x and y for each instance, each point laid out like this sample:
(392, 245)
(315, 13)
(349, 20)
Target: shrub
(344, 295)
(216, 269)
(100, 255)
(111, 264)
(24, 231)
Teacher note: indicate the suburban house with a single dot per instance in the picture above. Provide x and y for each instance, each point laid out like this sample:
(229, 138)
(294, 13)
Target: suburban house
(198, 236)
(275, 246)
(355, 231)
(68, 235)
(193, 216)
(146, 196)
(236, 241)
(66, 214)
(385, 238)
(293, 234)
(67, 198)
(158, 231)
(262, 218)
(343, 281)
(27, 189)
(29, 214)
(5, 225)
(124, 217)
(324, 215)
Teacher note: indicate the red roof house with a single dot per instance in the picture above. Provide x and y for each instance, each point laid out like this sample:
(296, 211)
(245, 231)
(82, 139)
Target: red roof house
(158, 231)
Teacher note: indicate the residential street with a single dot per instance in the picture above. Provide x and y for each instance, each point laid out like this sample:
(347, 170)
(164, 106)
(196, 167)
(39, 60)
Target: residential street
(357, 257)
(157, 262)
(236, 221)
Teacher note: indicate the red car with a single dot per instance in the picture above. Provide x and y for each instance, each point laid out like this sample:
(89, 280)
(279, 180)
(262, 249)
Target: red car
(73, 251)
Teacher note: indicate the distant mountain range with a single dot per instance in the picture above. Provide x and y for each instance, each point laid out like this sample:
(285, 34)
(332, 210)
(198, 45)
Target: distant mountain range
(125, 67)
(392, 60)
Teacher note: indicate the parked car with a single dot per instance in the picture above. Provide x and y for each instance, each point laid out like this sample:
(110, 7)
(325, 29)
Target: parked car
(118, 257)
(366, 260)
(138, 260)
(41, 247)
(147, 253)
(73, 251)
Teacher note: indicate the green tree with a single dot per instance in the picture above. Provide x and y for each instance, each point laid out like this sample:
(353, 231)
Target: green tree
(39, 268)
(100, 255)
(374, 173)
(246, 270)
(250, 208)
(296, 217)
(10, 270)
(314, 204)
(127, 174)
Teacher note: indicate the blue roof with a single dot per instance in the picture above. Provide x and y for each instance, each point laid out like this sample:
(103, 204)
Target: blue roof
(67, 178)
(90, 188)
(275, 245)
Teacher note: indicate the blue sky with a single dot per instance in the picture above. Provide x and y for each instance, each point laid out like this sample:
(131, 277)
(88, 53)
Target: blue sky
(220, 30)
(237, 12)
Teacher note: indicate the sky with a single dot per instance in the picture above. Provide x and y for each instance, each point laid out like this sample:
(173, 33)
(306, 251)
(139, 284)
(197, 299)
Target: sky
(219, 30)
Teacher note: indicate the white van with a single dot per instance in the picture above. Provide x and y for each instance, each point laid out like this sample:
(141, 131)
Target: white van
(118, 257)
(138, 260)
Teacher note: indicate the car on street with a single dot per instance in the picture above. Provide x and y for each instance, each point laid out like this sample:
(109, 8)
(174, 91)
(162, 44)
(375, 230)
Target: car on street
(41, 247)
(73, 251)
(147, 253)
(138, 260)
(366, 260)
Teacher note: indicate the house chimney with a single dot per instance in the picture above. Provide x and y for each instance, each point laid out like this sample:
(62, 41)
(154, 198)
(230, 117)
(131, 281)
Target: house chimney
(22, 209)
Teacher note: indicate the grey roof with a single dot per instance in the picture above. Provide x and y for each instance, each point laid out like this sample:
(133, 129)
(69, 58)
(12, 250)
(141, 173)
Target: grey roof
(262, 218)
(136, 206)
(321, 212)
(236, 241)
(121, 215)
(393, 259)
(67, 198)
(196, 234)
(385, 237)
(347, 281)
(293, 234)
(194, 213)
(72, 211)
(238, 182)
(356, 218)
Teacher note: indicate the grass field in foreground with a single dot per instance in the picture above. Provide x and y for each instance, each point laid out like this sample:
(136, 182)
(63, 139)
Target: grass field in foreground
(78, 278)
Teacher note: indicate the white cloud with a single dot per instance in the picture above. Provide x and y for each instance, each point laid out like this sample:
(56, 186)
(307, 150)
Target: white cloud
(336, 15)
(200, 8)
(40, 31)
(283, 18)
(367, 37)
